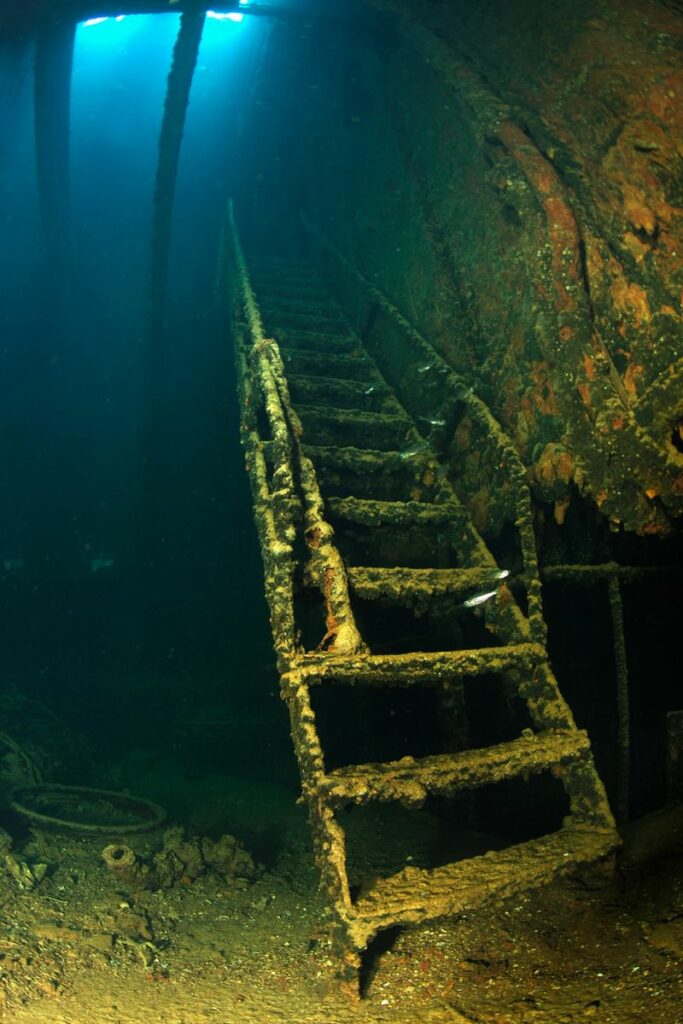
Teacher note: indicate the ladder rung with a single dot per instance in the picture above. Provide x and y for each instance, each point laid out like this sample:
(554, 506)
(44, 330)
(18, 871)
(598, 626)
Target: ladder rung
(370, 420)
(351, 367)
(344, 426)
(368, 512)
(360, 459)
(315, 341)
(415, 894)
(299, 305)
(290, 321)
(407, 586)
(269, 287)
(283, 272)
(352, 387)
(419, 668)
(411, 780)
(344, 394)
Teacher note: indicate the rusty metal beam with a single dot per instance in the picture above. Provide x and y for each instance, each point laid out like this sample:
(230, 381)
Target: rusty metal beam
(170, 140)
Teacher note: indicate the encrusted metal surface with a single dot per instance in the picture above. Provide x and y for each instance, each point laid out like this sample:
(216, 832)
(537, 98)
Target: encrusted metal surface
(399, 506)
(411, 779)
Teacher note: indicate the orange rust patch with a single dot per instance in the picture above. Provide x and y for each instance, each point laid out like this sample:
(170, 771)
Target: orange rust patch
(618, 422)
(651, 493)
(560, 510)
(554, 464)
(566, 333)
(633, 372)
(589, 366)
(560, 215)
(562, 229)
(637, 212)
(631, 300)
(584, 392)
(637, 248)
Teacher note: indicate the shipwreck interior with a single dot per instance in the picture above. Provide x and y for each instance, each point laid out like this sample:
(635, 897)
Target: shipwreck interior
(340, 551)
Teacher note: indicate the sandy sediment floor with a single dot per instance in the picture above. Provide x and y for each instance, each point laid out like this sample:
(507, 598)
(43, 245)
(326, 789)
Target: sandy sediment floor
(77, 949)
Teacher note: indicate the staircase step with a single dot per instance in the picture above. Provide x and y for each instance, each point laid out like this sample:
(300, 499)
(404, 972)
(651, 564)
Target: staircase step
(341, 426)
(344, 394)
(418, 586)
(272, 287)
(360, 459)
(282, 270)
(315, 341)
(370, 473)
(369, 512)
(420, 668)
(349, 367)
(417, 895)
(293, 320)
(411, 780)
(298, 305)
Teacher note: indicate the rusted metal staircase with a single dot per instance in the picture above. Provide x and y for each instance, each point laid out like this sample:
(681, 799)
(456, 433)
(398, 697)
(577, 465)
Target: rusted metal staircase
(318, 418)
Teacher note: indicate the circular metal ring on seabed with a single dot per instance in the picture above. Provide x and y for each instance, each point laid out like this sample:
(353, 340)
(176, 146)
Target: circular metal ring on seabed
(142, 814)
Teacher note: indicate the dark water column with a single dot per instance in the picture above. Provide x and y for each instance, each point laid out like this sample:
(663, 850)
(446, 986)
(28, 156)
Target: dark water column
(49, 460)
(150, 542)
(53, 65)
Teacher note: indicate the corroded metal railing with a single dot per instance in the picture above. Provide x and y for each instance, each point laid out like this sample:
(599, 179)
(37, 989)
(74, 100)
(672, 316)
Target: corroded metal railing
(260, 366)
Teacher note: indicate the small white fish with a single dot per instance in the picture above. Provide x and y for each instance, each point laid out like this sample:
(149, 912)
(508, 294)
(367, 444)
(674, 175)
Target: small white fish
(432, 422)
(502, 574)
(369, 391)
(478, 599)
(413, 449)
(425, 369)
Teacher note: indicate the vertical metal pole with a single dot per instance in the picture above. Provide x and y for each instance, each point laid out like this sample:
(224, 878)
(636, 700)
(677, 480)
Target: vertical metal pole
(170, 139)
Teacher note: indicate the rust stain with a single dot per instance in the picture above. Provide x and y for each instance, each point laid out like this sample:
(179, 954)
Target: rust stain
(584, 392)
(543, 392)
(637, 211)
(589, 366)
(631, 376)
(555, 464)
(560, 510)
(631, 300)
